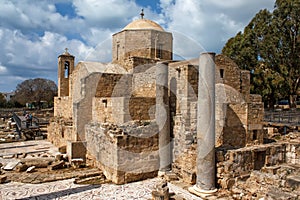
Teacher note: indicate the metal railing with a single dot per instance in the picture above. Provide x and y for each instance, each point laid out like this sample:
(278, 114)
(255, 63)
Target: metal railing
(18, 121)
(289, 117)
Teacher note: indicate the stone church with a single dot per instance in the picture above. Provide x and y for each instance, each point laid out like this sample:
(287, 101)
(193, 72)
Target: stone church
(136, 117)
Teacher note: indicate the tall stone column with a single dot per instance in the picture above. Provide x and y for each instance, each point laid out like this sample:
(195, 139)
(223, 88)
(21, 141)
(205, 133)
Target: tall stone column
(162, 116)
(205, 183)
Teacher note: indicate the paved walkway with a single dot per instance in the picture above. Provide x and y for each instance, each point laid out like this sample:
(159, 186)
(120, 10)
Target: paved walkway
(66, 189)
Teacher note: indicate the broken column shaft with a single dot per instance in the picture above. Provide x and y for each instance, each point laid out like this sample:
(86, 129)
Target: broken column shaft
(205, 182)
(163, 116)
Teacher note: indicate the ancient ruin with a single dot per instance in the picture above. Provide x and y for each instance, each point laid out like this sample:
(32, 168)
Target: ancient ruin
(145, 114)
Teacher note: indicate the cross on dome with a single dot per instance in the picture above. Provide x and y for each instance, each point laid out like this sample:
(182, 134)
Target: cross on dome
(142, 14)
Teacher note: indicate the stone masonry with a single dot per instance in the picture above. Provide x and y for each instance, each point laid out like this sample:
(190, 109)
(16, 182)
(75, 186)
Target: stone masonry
(110, 109)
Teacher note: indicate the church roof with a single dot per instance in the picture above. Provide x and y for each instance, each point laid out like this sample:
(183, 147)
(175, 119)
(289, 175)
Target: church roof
(141, 24)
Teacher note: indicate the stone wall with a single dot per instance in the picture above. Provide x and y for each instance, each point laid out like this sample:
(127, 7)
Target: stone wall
(255, 133)
(142, 43)
(62, 107)
(293, 152)
(234, 130)
(237, 164)
(141, 108)
(125, 153)
(183, 84)
(60, 130)
(135, 64)
(114, 85)
(144, 81)
(231, 72)
(185, 165)
(119, 110)
(245, 84)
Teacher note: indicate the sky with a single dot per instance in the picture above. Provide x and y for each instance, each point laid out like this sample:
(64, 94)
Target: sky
(33, 33)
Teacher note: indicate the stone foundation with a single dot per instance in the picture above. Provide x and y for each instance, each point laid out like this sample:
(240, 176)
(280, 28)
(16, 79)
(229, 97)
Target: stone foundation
(125, 153)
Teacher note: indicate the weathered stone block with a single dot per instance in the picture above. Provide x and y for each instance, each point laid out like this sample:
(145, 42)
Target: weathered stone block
(76, 150)
(21, 167)
(57, 165)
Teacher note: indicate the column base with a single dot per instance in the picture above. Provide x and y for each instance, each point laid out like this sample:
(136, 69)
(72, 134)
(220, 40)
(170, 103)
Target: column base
(200, 192)
(163, 173)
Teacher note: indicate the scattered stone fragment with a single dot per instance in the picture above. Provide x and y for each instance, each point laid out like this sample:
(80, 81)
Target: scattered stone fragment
(21, 167)
(11, 165)
(161, 191)
(30, 169)
(58, 157)
(57, 165)
(171, 176)
(76, 162)
(38, 162)
(62, 149)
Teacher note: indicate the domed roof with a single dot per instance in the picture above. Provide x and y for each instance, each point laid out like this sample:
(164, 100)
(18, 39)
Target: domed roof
(143, 24)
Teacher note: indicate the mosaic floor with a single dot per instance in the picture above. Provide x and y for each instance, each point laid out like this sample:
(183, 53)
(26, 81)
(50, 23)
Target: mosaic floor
(67, 190)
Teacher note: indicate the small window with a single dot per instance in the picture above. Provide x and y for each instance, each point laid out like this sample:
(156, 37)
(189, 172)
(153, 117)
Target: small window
(118, 49)
(159, 51)
(254, 135)
(222, 73)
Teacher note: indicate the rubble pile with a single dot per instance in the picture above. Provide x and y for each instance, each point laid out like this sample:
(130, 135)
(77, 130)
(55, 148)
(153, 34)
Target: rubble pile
(39, 163)
(280, 182)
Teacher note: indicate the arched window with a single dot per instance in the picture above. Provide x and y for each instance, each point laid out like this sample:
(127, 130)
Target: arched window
(67, 67)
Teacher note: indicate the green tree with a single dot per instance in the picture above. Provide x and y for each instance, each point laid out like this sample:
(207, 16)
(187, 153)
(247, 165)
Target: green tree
(2, 101)
(270, 47)
(35, 91)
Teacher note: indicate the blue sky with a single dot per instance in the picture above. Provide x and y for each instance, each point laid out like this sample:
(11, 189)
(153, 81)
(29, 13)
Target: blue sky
(34, 32)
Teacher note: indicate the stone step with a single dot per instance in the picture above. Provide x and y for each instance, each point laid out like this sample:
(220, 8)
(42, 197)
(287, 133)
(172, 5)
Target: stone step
(95, 180)
(90, 174)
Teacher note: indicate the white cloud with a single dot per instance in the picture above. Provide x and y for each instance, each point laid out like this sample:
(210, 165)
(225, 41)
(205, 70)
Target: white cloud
(209, 23)
(32, 35)
(38, 58)
(3, 70)
(106, 13)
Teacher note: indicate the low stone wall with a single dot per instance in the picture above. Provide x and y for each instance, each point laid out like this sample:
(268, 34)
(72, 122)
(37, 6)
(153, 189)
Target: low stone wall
(126, 153)
(293, 152)
(237, 164)
(255, 134)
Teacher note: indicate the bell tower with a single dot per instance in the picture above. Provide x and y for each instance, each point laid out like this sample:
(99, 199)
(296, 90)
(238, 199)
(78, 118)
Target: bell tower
(65, 69)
